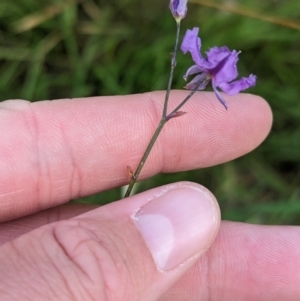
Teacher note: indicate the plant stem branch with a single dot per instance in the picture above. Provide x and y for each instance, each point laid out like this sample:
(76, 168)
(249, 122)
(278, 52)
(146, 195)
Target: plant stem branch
(160, 126)
(184, 101)
(164, 119)
(145, 156)
(173, 65)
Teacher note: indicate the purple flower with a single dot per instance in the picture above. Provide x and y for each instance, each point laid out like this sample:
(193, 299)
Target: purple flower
(219, 67)
(178, 9)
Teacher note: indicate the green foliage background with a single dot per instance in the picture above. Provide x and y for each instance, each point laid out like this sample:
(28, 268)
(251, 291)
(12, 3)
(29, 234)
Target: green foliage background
(56, 49)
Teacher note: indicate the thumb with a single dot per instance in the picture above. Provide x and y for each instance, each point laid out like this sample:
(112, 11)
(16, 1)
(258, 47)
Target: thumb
(134, 249)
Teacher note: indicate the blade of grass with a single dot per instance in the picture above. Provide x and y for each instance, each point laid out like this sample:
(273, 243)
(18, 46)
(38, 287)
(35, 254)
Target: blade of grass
(245, 11)
(34, 20)
(35, 68)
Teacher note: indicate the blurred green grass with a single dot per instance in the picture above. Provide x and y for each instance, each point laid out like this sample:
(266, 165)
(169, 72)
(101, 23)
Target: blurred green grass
(56, 49)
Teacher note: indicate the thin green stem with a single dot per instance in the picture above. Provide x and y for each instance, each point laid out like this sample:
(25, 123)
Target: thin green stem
(164, 119)
(184, 101)
(173, 65)
(145, 156)
(162, 122)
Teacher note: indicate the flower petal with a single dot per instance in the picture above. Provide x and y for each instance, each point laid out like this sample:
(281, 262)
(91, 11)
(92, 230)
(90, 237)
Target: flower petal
(192, 70)
(238, 85)
(192, 43)
(200, 80)
(217, 54)
(225, 70)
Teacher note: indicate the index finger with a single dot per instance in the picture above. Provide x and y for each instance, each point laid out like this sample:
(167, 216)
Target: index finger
(55, 151)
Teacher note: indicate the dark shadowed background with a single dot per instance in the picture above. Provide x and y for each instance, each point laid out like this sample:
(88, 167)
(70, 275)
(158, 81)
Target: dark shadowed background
(67, 48)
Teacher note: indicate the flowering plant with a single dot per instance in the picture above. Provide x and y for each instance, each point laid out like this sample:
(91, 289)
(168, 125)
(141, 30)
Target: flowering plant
(219, 68)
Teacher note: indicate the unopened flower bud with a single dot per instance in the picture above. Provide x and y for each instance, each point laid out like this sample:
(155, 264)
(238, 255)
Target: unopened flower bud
(178, 9)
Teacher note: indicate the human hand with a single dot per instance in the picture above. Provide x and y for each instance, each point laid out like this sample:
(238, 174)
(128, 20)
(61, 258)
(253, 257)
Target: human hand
(52, 152)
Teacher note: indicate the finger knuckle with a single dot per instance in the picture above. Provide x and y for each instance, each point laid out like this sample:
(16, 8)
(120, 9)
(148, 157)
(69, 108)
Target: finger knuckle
(98, 259)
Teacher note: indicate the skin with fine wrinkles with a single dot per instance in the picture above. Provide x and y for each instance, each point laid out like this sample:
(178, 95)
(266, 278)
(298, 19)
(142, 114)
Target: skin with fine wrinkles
(99, 254)
(70, 147)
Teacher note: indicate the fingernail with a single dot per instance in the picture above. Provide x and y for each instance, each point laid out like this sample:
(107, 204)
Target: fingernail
(178, 225)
